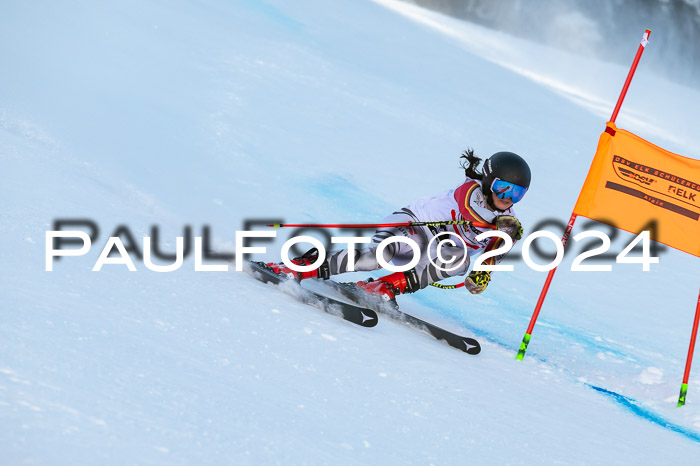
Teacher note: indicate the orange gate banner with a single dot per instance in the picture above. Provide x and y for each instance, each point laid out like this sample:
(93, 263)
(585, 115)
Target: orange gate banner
(632, 182)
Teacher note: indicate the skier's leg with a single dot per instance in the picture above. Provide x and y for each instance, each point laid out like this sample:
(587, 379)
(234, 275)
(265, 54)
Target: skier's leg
(399, 253)
(365, 259)
(450, 262)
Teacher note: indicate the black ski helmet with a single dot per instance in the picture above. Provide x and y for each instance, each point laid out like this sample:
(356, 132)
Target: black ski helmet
(506, 166)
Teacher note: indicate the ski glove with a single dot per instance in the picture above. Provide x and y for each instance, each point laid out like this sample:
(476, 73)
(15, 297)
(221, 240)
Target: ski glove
(477, 282)
(510, 225)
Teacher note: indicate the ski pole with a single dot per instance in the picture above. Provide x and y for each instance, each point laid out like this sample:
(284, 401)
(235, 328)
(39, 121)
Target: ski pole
(382, 225)
(447, 287)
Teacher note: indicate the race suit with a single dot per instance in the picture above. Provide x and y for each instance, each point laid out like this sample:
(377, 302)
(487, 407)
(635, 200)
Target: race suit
(465, 202)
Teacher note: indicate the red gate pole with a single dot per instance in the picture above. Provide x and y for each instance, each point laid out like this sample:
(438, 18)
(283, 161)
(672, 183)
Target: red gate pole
(633, 68)
(543, 293)
(572, 220)
(689, 359)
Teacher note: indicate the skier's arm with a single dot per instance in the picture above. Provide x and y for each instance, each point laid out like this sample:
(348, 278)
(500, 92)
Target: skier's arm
(476, 282)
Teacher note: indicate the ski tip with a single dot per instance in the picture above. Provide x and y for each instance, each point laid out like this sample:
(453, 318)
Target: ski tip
(369, 318)
(472, 346)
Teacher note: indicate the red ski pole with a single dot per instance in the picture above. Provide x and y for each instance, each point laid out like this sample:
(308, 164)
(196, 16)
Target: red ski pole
(382, 225)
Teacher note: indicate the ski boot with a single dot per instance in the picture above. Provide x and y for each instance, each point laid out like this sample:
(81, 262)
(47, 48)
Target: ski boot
(308, 258)
(390, 286)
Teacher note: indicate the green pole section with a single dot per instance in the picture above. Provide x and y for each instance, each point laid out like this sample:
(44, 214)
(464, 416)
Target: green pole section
(681, 397)
(523, 347)
(689, 359)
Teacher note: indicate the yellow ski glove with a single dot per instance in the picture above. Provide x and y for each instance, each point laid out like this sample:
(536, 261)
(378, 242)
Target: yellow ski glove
(476, 282)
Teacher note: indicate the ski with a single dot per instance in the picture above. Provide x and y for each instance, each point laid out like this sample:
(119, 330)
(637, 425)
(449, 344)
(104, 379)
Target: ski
(350, 312)
(389, 308)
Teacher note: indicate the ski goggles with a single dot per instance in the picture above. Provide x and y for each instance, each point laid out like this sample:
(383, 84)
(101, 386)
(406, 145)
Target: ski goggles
(504, 189)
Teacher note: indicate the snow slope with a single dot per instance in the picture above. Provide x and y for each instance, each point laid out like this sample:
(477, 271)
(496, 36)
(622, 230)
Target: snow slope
(212, 113)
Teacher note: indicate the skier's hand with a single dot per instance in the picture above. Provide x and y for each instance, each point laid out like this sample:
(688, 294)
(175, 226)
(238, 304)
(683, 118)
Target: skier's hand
(510, 225)
(477, 282)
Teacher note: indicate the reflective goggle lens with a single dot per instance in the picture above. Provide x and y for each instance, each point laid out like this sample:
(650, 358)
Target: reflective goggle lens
(503, 189)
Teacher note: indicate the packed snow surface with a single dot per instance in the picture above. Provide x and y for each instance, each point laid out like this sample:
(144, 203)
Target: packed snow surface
(210, 115)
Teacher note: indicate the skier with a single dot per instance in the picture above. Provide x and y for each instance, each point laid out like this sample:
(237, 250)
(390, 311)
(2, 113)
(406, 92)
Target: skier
(486, 197)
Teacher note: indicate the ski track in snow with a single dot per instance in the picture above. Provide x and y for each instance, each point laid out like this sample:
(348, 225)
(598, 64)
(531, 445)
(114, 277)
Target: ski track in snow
(629, 404)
